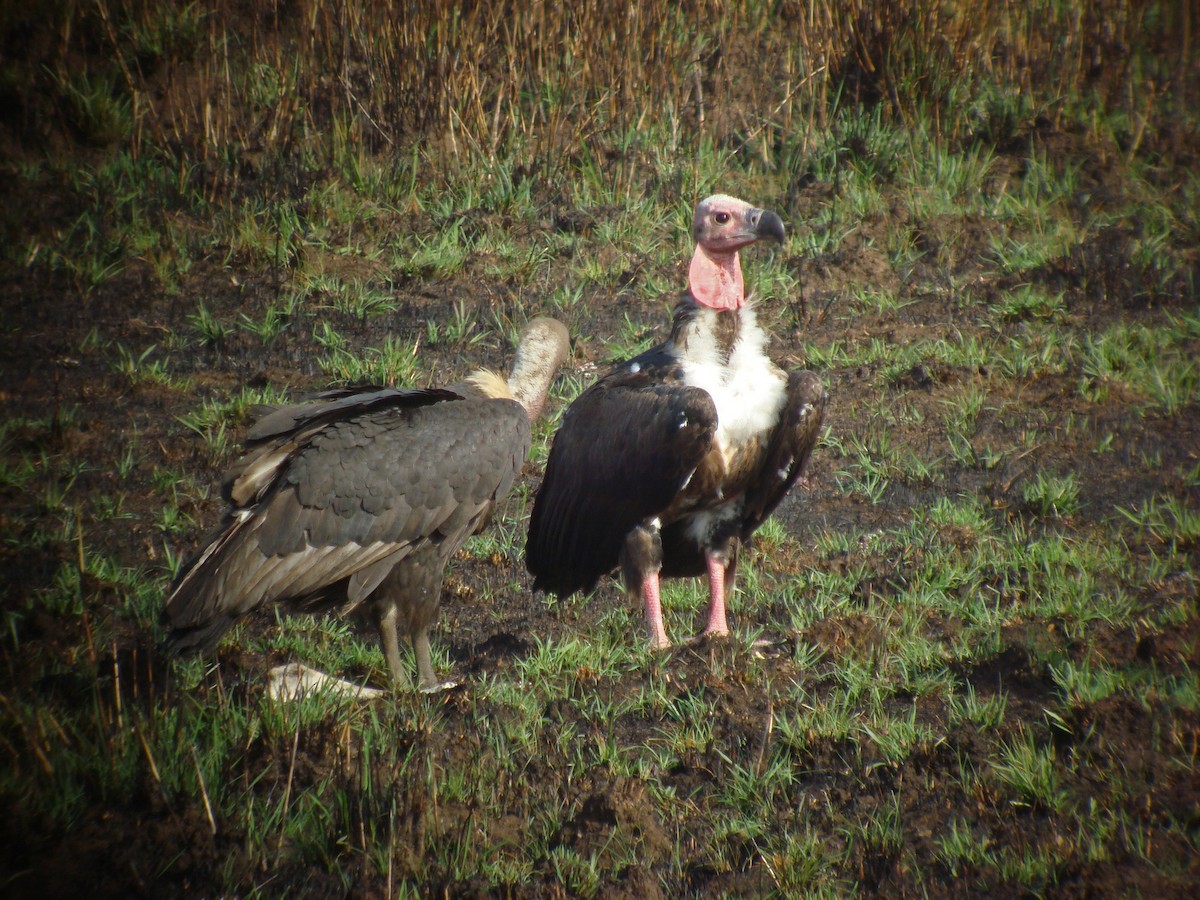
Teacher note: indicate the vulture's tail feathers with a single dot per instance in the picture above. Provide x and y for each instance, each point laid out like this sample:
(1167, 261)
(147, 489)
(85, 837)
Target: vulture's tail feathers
(197, 611)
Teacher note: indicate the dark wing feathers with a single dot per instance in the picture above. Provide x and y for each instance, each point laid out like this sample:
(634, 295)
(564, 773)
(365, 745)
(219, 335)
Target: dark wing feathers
(784, 460)
(621, 456)
(393, 472)
(625, 449)
(336, 404)
(355, 491)
(273, 440)
(789, 450)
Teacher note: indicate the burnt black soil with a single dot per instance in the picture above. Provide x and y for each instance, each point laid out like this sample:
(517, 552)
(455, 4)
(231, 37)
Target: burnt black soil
(55, 371)
(65, 400)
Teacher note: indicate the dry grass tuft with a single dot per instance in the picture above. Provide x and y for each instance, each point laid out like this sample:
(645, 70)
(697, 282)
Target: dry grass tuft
(556, 78)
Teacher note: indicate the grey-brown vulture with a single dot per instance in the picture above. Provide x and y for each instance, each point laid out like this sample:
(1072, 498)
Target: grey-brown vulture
(668, 464)
(360, 497)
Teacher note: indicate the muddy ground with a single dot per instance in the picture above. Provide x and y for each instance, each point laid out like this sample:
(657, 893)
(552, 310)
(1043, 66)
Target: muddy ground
(56, 368)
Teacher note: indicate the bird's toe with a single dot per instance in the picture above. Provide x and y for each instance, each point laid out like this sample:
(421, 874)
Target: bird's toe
(707, 636)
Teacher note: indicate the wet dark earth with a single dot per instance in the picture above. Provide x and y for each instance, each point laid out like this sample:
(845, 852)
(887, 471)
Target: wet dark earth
(90, 435)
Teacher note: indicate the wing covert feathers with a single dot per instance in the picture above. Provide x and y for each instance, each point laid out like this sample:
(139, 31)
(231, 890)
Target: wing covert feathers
(341, 491)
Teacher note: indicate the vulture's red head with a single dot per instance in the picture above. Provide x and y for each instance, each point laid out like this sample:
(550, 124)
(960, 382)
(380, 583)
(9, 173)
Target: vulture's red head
(722, 226)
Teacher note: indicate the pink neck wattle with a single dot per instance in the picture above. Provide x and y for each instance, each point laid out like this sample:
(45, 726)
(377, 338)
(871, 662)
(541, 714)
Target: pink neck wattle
(716, 281)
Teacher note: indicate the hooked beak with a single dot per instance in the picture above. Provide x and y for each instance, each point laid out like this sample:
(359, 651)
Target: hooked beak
(766, 224)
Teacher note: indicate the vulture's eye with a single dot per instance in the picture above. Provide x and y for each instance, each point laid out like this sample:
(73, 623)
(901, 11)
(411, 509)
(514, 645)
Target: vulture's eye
(721, 218)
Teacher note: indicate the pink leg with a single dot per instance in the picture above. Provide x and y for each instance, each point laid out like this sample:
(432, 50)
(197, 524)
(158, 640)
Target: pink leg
(716, 588)
(653, 600)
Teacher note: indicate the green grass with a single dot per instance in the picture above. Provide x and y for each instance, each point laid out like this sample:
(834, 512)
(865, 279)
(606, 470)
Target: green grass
(1030, 772)
(197, 750)
(210, 330)
(393, 364)
(139, 368)
(1052, 495)
(1152, 363)
(1168, 520)
(981, 612)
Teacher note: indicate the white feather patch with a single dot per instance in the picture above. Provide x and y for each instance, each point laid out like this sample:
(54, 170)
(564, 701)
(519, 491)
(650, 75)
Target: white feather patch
(748, 389)
(703, 524)
(294, 681)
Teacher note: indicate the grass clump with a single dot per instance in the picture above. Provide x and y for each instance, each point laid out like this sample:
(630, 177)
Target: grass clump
(983, 600)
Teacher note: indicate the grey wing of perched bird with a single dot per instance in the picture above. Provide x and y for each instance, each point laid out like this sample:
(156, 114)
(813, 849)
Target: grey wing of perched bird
(359, 499)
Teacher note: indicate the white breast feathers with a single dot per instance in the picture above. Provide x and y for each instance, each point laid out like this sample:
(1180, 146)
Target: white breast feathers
(748, 389)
